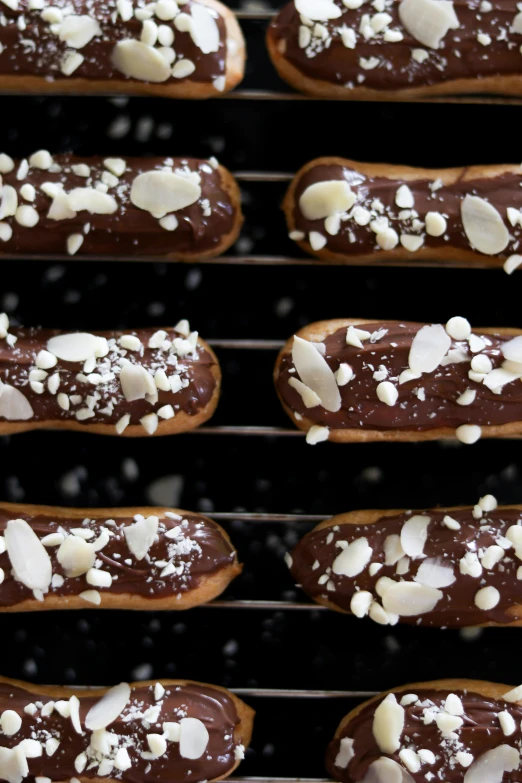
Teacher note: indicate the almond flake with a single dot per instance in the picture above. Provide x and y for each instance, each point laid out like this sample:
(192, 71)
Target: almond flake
(316, 374)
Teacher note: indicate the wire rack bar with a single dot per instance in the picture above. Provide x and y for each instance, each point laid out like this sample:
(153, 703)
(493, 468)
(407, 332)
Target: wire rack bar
(277, 95)
(254, 13)
(229, 516)
(232, 429)
(263, 176)
(272, 606)
(277, 780)
(282, 693)
(249, 345)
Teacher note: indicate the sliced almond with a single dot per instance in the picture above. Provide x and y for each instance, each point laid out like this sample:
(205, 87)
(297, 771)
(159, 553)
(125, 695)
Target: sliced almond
(108, 708)
(161, 192)
(483, 225)
(388, 724)
(76, 556)
(134, 382)
(141, 535)
(429, 346)
(204, 30)
(353, 559)
(433, 572)
(408, 599)
(92, 200)
(309, 397)
(324, 199)
(78, 30)
(316, 373)
(14, 405)
(318, 10)
(414, 533)
(137, 60)
(194, 738)
(75, 347)
(428, 21)
(490, 767)
(29, 559)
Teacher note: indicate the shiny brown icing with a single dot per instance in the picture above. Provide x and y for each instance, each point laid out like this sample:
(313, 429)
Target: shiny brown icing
(195, 371)
(362, 410)
(129, 231)
(460, 56)
(480, 732)
(215, 708)
(35, 51)
(195, 546)
(314, 555)
(377, 195)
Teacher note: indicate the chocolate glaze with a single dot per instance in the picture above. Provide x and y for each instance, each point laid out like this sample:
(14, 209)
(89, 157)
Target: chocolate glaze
(129, 230)
(480, 732)
(215, 708)
(361, 408)
(16, 363)
(198, 550)
(457, 607)
(502, 191)
(35, 51)
(460, 55)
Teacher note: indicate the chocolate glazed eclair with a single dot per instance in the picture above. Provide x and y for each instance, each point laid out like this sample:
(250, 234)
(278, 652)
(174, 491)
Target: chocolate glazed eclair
(445, 567)
(191, 50)
(349, 213)
(149, 731)
(392, 50)
(354, 380)
(113, 558)
(174, 209)
(459, 731)
(132, 383)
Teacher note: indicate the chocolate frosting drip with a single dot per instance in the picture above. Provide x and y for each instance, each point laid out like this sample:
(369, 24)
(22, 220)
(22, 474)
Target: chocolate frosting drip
(430, 195)
(215, 708)
(479, 733)
(195, 371)
(129, 230)
(195, 546)
(361, 408)
(460, 55)
(33, 50)
(314, 556)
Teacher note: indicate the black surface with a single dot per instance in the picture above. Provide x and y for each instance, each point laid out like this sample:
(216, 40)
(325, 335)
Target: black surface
(235, 647)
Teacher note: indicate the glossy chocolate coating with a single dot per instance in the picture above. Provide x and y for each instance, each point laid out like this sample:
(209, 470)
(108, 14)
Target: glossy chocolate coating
(195, 546)
(35, 51)
(215, 708)
(480, 733)
(430, 195)
(316, 552)
(460, 56)
(196, 370)
(361, 408)
(129, 231)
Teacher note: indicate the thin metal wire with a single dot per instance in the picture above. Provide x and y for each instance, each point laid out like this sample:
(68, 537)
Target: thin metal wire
(256, 15)
(282, 693)
(230, 516)
(250, 345)
(277, 780)
(263, 176)
(233, 429)
(272, 606)
(276, 95)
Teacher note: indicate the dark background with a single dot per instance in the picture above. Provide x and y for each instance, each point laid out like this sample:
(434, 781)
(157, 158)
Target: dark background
(233, 647)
